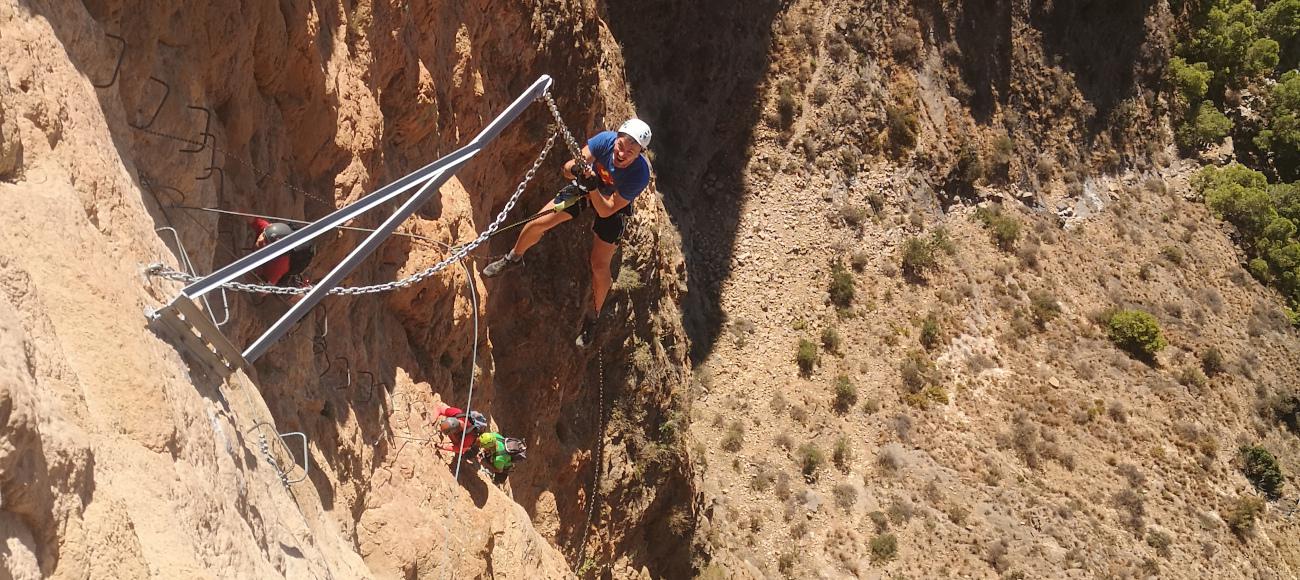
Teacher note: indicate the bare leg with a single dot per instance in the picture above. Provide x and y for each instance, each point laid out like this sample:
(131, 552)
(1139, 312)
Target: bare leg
(532, 232)
(602, 253)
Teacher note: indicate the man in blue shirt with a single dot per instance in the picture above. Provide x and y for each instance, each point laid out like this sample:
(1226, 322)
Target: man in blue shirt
(618, 173)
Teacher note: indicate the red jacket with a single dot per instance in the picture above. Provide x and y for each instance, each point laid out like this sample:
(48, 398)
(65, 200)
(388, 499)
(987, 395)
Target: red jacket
(457, 445)
(275, 269)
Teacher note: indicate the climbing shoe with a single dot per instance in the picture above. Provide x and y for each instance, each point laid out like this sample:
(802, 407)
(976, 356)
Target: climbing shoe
(585, 336)
(496, 268)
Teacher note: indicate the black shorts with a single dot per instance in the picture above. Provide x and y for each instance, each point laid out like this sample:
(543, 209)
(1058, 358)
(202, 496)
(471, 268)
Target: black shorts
(608, 229)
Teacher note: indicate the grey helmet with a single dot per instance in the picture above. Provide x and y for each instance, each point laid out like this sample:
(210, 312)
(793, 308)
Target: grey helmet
(276, 231)
(450, 425)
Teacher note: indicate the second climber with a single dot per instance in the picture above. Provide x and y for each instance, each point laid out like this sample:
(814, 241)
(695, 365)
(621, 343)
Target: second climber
(285, 269)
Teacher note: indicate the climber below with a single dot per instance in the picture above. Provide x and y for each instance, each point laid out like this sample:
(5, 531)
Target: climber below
(617, 173)
(498, 454)
(462, 429)
(286, 268)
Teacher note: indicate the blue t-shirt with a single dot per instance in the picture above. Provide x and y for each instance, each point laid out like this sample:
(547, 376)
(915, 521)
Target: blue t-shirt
(630, 181)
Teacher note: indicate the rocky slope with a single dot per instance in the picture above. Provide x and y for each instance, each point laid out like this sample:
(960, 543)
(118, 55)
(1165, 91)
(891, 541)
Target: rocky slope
(119, 460)
(941, 431)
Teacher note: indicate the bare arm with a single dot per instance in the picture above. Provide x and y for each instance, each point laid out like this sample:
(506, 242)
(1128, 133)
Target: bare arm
(606, 206)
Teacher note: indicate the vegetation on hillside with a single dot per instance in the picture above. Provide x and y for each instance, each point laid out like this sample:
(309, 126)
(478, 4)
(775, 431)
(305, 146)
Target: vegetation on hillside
(1234, 74)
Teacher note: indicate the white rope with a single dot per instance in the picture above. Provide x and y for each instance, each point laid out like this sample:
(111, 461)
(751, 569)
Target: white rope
(469, 402)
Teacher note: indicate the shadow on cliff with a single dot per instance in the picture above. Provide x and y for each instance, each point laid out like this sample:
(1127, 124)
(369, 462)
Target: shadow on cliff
(701, 95)
(983, 35)
(1100, 42)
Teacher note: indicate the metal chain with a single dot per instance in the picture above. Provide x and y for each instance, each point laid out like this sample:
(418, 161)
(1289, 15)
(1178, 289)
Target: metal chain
(169, 136)
(461, 251)
(574, 149)
(600, 458)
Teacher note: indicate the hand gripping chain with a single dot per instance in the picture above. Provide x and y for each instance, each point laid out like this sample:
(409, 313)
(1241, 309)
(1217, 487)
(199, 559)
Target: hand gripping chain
(574, 149)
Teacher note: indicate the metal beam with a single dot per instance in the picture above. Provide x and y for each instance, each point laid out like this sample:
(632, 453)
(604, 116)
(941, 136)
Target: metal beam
(380, 196)
(353, 259)
(442, 170)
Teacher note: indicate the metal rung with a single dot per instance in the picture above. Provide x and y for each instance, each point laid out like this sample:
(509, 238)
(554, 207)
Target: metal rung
(306, 458)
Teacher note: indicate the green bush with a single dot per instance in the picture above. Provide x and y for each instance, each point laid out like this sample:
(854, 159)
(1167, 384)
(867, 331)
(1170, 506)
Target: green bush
(1239, 195)
(1212, 362)
(1281, 22)
(1207, 127)
(1281, 133)
(846, 394)
(1044, 307)
(831, 340)
(1136, 332)
(842, 453)
(1261, 57)
(806, 356)
(734, 438)
(1243, 512)
(1191, 80)
(1004, 228)
(883, 548)
(810, 459)
(1262, 470)
(1227, 31)
(931, 333)
(902, 127)
(1262, 215)
(841, 285)
(918, 257)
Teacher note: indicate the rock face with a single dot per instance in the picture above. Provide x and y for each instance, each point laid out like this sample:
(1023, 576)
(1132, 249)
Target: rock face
(118, 458)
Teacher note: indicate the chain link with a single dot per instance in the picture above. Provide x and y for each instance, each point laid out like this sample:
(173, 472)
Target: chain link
(458, 254)
(169, 136)
(594, 493)
(574, 149)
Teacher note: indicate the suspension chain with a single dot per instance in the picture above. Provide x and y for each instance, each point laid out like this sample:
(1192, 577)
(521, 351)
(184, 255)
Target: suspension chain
(459, 253)
(594, 492)
(574, 149)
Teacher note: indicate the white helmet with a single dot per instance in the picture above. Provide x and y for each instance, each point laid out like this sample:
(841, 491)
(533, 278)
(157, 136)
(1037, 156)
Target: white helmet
(636, 129)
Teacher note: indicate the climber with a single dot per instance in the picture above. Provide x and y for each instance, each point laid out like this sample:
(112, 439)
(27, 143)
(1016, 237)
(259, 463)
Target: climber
(285, 268)
(498, 454)
(462, 429)
(617, 173)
